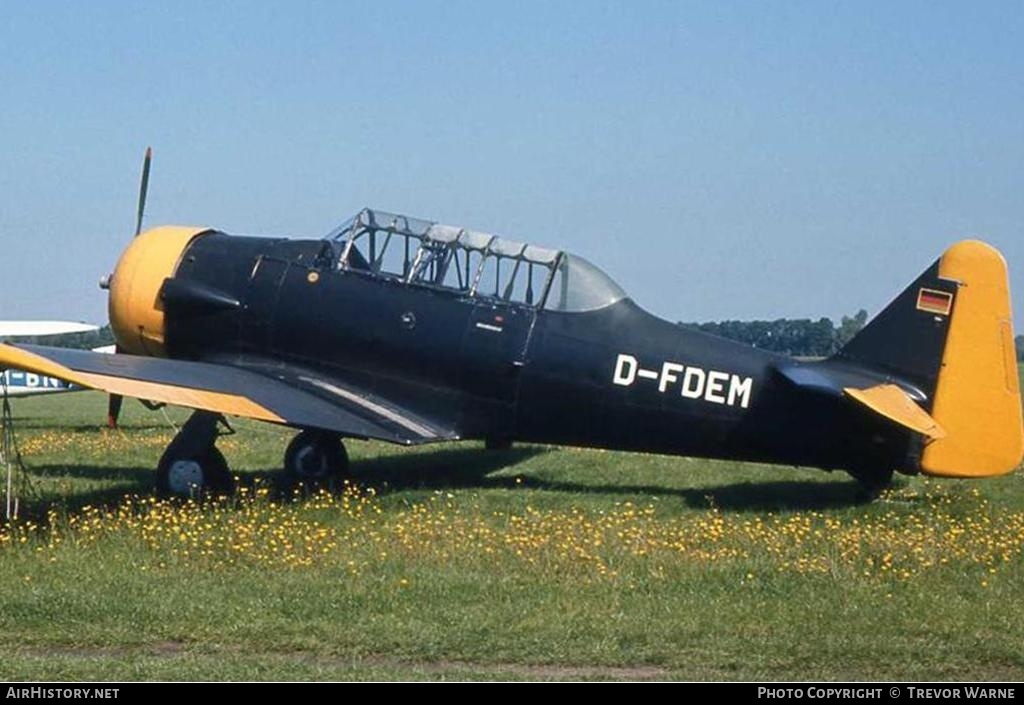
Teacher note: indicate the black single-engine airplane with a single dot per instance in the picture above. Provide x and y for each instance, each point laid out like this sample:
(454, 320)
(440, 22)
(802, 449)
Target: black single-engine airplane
(409, 331)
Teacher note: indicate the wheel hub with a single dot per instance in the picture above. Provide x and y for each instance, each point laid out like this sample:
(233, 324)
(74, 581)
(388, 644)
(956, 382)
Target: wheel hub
(310, 462)
(184, 476)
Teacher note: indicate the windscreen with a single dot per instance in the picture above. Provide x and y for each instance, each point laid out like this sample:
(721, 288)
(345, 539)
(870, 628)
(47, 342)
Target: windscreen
(580, 286)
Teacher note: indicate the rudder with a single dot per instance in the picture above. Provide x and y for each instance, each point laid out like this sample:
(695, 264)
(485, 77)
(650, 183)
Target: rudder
(977, 399)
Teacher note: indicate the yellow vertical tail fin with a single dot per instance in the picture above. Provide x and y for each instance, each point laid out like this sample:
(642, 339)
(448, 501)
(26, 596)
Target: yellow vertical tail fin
(977, 399)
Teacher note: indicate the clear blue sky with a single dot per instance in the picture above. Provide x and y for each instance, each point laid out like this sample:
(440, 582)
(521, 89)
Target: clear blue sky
(720, 160)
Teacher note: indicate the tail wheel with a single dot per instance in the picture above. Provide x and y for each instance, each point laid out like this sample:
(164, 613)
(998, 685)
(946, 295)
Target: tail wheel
(498, 443)
(191, 475)
(872, 480)
(315, 456)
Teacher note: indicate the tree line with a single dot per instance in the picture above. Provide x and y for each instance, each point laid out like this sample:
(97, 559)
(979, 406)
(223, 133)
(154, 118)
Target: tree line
(82, 341)
(801, 336)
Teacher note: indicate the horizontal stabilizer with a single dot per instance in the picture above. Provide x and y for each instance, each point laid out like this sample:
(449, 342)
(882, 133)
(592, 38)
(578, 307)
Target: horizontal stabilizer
(890, 401)
(833, 378)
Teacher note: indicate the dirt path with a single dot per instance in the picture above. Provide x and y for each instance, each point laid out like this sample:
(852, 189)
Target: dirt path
(440, 668)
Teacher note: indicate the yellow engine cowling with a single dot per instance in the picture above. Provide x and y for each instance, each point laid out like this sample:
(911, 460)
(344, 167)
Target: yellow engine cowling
(135, 309)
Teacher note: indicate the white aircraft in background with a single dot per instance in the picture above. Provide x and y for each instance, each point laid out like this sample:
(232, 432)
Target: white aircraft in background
(23, 384)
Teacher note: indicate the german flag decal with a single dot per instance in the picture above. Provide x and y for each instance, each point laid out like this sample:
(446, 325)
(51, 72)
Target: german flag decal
(932, 301)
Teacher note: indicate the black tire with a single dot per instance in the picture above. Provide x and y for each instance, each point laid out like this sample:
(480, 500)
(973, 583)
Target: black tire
(498, 443)
(315, 457)
(873, 481)
(194, 476)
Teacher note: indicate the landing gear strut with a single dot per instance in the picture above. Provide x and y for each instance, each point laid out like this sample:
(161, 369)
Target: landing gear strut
(315, 457)
(192, 466)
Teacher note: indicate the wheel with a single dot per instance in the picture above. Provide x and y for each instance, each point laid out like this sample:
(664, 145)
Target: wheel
(497, 443)
(872, 480)
(194, 475)
(315, 456)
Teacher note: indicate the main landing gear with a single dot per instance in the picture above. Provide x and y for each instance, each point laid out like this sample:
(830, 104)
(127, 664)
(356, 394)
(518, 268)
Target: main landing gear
(315, 457)
(192, 466)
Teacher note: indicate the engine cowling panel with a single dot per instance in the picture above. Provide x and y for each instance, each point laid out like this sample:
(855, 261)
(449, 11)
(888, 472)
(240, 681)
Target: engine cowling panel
(135, 308)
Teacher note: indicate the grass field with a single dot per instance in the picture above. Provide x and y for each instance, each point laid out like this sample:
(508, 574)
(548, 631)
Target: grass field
(455, 562)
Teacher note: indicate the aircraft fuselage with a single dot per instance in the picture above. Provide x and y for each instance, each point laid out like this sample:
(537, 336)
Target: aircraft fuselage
(616, 377)
(24, 384)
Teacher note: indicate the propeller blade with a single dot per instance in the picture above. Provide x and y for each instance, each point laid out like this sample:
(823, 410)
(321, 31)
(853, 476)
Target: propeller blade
(143, 188)
(114, 402)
